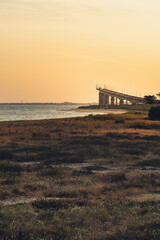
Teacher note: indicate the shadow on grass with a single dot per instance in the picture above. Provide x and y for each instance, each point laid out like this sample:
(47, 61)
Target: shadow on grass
(149, 163)
(50, 204)
(10, 168)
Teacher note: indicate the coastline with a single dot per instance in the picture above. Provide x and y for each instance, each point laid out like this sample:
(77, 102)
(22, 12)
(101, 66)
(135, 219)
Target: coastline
(101, 111)
(44, 112)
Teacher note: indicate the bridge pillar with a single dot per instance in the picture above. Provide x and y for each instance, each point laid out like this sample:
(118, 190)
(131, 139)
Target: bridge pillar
(106, 100)
(101, 98)
(116, 101)
(112, 100)
(121, 102)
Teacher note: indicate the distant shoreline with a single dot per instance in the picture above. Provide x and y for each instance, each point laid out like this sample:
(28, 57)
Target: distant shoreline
(136, 107)
(45, 103)
(102, 111)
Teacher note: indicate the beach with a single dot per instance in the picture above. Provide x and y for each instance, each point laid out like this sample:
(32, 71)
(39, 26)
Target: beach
(101, 111)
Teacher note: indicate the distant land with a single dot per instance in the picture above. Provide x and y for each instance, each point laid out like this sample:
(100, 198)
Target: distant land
(48, 103)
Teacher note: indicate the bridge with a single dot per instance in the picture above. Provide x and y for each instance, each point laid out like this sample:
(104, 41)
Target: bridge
(109, 97)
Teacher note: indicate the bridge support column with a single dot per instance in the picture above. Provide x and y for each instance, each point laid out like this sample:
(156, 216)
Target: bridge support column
(112, 100)
(116, 101)
(101, 99)
(106, 100)
(121, 102)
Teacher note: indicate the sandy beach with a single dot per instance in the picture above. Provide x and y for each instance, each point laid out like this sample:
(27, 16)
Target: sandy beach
(101, 111)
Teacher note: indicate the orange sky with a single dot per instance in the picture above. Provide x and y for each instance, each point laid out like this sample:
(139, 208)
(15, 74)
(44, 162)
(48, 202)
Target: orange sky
(55, 51)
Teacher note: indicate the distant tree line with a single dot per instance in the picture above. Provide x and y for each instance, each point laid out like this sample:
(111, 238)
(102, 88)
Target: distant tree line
(152, 99)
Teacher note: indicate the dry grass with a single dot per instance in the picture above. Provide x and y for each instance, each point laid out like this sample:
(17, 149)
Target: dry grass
(76, 178)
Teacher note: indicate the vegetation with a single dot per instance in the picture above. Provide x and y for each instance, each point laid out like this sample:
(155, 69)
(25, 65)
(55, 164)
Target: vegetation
(5, 154)
(95, 178)
(158, 94)
(154, 113)
(134, 107)
(120, 121)
(150, 99)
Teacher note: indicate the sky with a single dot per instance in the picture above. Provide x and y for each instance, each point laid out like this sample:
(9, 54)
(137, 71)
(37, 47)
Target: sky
(58, 50)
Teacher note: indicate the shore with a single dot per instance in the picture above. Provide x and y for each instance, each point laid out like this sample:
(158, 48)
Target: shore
(101, 111)
(13, 112)
(93, 177)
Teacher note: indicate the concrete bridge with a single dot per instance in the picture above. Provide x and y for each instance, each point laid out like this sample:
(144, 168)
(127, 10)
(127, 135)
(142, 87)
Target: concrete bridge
(109, 97)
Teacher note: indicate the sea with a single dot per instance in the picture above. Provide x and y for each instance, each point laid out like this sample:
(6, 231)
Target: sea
(14, 112)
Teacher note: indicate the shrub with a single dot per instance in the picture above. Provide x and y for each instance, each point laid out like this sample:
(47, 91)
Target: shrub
(50, 172)
(9, 181)
(154, 113)
(13, 169)
(50, 204)
(95, 168)
(5, 155)
(30, 187)
(114, 177)
(150, 163)
(119, 121)
(138, 113)
(150, 99)
(71, 194)
(40, 136)
(82, 172)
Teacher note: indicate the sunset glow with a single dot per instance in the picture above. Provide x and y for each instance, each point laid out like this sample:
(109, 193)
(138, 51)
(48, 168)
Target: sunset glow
(56, 51)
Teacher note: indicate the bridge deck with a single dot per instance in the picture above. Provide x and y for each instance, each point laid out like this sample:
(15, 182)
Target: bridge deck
(122, 96)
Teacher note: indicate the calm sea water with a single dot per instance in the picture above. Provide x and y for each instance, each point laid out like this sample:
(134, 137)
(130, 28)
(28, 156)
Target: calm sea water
(12, 112)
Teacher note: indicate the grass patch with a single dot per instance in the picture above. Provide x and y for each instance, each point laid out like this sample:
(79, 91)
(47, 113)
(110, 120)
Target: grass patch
(40, 136)
(65, 194)
(118, 121)
(95, 168)
(11, 168)
(50, 171)
(6, 155)
(50, 204)
(112, 177)
(149, 163)
(9, 181)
